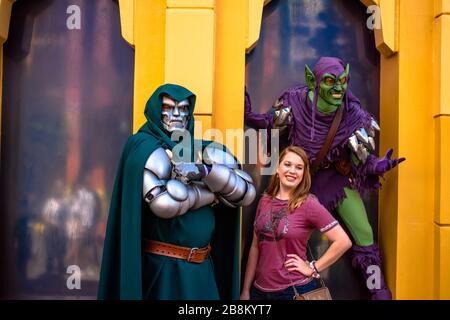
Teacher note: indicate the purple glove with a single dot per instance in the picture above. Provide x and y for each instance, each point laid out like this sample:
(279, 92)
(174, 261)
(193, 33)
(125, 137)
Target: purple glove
(386, 163)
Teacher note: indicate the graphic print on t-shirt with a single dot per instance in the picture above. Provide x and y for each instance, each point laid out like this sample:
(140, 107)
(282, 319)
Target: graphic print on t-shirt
(272, 225)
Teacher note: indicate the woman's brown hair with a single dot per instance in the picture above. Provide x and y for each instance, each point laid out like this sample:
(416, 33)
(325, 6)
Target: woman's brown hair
(302, 190)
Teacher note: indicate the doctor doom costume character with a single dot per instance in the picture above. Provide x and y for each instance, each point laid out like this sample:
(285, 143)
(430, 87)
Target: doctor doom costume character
(347, 165)
(173, 227)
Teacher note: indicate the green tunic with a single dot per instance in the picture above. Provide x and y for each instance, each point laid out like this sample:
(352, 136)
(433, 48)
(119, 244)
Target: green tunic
(176, 278)
(129, 273)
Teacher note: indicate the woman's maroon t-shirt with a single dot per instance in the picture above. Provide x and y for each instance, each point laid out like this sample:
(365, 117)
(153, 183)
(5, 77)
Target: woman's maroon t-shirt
(292, 231)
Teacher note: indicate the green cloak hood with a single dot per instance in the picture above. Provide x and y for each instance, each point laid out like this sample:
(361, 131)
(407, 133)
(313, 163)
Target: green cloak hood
(121, 269)
(152, 112)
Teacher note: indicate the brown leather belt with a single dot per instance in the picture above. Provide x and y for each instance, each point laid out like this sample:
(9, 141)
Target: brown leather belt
(195, 254)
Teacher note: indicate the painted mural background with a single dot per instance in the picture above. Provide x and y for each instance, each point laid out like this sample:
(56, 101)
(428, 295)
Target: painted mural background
(66, 114)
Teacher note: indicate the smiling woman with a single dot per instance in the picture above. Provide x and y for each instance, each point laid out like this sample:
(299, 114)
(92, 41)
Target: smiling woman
(277, 266)
(290, 172)
(290, 181)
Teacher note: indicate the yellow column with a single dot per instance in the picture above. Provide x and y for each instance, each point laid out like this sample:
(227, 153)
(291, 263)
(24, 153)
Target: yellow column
(388, 202)
(386, 38)
(5, 15)
(189, 52)
(229, 76)
(407, 200)
(386, 41)
(415, 140)
(199, 44)
(441, 113)
(149, 42)
(174, 43)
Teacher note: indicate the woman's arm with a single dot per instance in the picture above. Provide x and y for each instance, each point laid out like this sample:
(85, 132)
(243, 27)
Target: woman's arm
(340, 243)
(251, 268)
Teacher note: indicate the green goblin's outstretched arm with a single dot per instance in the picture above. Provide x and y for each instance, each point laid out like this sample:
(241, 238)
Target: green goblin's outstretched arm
(362, 143)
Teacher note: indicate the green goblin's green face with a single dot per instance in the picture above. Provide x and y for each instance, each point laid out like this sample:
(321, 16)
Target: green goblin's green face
(332, 89)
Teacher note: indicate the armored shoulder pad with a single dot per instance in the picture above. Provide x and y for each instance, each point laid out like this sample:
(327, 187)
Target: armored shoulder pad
(159, 163)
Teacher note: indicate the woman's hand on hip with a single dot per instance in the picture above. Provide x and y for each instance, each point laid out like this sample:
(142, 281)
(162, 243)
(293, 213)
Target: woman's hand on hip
(295, 263)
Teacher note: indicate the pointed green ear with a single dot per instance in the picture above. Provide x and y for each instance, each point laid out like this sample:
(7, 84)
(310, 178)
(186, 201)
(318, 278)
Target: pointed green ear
(310, 78)
(347, 69)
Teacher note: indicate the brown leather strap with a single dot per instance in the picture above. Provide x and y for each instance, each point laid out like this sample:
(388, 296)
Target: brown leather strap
(330, 137)
(196, 255)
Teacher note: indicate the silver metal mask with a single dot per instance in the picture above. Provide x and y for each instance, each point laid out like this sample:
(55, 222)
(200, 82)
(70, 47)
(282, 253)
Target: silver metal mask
(174, 114)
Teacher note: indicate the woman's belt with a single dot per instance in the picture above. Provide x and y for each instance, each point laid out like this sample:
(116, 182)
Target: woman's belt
(195, 254)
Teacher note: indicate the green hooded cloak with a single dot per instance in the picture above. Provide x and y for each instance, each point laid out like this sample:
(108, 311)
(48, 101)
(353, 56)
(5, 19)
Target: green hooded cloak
(129, 273)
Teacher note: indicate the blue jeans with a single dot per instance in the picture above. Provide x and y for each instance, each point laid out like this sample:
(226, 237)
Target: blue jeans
(286, 294)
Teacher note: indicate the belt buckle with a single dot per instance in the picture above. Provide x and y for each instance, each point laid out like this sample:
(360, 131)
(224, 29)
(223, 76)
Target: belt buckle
(191, 252)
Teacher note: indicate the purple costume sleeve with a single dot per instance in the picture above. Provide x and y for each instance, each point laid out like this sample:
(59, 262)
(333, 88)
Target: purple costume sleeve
(370, 164)
(256, 120)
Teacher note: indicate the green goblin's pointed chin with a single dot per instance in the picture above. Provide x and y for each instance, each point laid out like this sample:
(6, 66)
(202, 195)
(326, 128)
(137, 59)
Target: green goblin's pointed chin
(332, 88)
